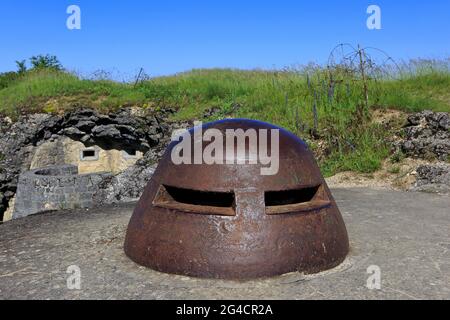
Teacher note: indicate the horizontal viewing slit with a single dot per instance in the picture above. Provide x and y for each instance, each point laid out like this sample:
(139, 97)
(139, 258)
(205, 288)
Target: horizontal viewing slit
(194, 201)
(291, 201)
(282, 198)
(88, 153)
(201, 198)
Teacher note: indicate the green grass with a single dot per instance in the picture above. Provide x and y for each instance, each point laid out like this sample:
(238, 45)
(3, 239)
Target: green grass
(366, 154)
(31, 93)
(416, 93)
(271, 95)
(285, 98)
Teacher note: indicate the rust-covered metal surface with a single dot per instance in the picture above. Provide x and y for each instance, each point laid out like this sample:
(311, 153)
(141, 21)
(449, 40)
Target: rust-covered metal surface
(228, 221)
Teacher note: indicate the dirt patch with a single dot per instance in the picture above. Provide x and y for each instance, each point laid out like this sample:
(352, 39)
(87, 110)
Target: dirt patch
(395, 176)
(389, 117)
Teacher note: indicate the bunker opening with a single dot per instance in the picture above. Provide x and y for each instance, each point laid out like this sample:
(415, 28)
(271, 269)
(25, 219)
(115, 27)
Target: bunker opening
(287, 197)
(204, 202)
(297, 200)
(88, 154)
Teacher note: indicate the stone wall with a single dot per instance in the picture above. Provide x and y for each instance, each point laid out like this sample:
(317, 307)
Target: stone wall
(55, 188)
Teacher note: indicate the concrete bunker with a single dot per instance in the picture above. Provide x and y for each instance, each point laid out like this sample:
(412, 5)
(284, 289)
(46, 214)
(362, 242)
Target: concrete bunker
(94, 142)
(63, 165)
(54, 188)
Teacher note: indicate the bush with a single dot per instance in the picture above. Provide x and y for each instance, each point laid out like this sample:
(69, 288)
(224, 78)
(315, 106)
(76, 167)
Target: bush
(7, 78)
(45, 62)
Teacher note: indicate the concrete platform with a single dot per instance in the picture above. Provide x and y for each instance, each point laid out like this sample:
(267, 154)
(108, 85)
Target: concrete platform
(407, 235)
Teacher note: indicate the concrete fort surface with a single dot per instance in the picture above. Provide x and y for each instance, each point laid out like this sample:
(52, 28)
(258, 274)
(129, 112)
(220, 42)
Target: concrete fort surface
(401, 238)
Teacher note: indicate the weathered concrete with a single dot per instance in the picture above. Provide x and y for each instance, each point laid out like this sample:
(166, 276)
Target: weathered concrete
(406, 234)
(64, 150)
(55, 188)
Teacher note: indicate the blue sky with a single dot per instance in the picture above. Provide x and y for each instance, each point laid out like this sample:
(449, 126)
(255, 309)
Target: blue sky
(167, 36)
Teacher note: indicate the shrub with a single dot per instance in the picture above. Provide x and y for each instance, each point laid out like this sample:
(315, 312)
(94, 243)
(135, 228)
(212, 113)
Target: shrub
(7, 78)
(45, 62)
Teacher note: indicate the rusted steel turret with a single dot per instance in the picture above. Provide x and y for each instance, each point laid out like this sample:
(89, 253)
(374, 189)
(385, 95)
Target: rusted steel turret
(230, 221)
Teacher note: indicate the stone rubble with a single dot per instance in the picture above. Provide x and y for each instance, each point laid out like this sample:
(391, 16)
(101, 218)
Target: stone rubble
(128, 185)
(427, 136)
(433, 178)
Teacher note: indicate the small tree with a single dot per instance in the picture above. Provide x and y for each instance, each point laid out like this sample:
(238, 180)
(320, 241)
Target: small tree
(45, 62)
(21, 66)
